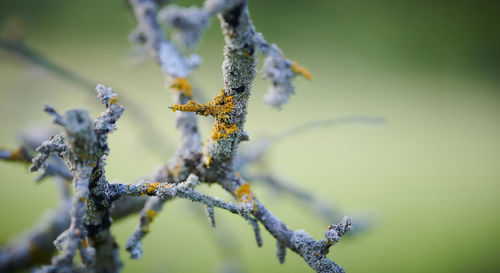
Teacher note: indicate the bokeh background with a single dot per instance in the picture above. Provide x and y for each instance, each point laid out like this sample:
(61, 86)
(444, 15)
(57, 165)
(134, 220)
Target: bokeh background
(428, 178)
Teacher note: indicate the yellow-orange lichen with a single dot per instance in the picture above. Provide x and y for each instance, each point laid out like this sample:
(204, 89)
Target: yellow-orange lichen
(19, 154)
(219, 108)
(222, 130)
(113, 100)
(298, 69)
(208, 160)
(182, 85)
(84, 243)
(244, 193)
(151, 188)
(150, 216)
(206, 156)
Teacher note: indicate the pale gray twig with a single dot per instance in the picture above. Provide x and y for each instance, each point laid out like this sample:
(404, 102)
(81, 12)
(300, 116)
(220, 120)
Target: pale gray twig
(83, 144)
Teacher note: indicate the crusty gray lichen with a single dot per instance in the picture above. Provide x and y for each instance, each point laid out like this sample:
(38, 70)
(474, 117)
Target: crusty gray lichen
(238, 69)
(166, 191)
(334, 232)
(311, 251)
(171, 61)
(83, 146)
(278, 71)
(188, 23)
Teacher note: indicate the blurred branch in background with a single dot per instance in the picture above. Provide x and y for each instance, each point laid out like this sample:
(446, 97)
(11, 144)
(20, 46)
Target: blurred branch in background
(226, 243)
(253, 167)
(328, 123)
(257, 150)
(12, 40)
(83, 143)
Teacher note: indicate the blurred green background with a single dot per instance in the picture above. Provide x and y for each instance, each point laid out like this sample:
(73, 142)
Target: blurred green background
(429, 178)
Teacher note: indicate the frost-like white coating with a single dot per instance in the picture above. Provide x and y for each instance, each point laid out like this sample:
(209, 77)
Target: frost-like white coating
(83, 145)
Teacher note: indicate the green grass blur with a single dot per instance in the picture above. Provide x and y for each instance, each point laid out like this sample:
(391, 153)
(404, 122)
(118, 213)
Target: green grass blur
(429, 177)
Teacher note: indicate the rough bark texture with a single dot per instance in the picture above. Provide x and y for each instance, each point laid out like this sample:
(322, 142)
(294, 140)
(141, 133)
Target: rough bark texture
(83, 147)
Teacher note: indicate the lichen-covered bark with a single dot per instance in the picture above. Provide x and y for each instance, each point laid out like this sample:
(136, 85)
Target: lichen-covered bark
(314, 252)
(239, 69)
(36, 246)
(83, 146)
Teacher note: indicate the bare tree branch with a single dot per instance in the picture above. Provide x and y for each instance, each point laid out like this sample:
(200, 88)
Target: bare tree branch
(83, 146)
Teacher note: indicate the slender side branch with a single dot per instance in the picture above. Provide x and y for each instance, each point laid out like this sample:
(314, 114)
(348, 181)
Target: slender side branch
(22, 154)
(167, 191)
(187, 192)
(176, 69)
(166, 54)
(312, 251)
